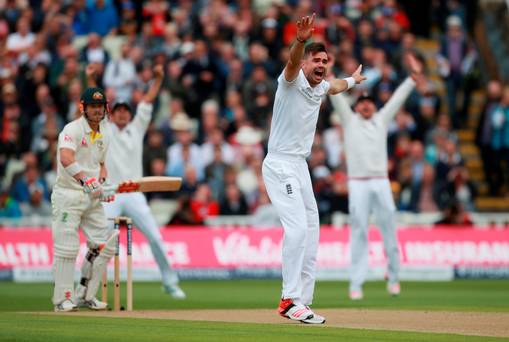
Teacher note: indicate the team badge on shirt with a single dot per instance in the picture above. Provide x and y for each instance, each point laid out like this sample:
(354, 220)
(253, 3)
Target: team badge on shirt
(84, 142)
(289, 190)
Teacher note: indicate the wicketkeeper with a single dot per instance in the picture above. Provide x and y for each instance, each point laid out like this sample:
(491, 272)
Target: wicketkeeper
(76, 202)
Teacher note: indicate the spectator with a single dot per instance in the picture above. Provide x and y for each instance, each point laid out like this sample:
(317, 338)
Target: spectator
(95, 53)
(9, 207)
(45, 125)
(155, 12)
(209, 120)
(203, 76)
(102, 17)
(184, 215)
(27, 183)
(183, 152)
(233, 202)
(333, 141)
(455, 215)
(37, 205)
(484, 133)
(426, 191)
(216, 139)
(258, 95)
(176, 108)
(500, 134)
(203, 205)
(455, 60)
(265, 215)
(120, 74)
(128, 24)
(19, 42)
(448, 159)
(215, 173)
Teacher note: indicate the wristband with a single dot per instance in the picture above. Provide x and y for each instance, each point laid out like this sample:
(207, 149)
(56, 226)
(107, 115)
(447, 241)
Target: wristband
(350, 81)
(300, 40)
(73, 169)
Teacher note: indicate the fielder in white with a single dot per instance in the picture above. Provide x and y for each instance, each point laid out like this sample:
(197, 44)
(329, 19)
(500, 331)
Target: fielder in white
(365, 134)
(124, 162)
(301, 89)
(76, 202)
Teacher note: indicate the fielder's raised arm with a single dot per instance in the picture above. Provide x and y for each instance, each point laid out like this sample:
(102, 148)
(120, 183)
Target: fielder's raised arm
(156, 84)
(389, 110)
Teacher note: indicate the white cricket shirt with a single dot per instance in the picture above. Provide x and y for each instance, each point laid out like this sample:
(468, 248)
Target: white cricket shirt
(295, 114)
(124, 160)
(366, 140)
(89, 150)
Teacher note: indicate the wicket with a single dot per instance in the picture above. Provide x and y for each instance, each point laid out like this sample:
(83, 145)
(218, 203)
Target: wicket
(127, 222)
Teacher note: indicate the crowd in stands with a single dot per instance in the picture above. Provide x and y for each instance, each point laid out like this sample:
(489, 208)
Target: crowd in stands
(212, 117)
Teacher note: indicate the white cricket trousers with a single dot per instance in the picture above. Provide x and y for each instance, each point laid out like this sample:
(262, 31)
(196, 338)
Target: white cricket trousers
(366, 196)
(135, 206)
(72, 209)
(289, 188)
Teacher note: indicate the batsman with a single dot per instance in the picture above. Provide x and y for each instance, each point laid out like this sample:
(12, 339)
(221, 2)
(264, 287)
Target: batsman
(76, 202)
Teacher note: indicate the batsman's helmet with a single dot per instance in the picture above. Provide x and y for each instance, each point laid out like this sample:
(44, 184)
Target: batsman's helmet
(93, 96)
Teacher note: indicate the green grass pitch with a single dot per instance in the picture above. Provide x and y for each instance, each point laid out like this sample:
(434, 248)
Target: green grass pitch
(17, 300)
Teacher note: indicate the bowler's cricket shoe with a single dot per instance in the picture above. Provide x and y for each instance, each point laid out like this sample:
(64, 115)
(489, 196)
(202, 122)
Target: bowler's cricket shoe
(95, 304)
(175, 291)
(66, 306)
(316, 319)
(296, 312)
(394, 289)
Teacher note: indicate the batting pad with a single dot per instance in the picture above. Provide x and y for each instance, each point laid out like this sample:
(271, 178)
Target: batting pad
(94, 265)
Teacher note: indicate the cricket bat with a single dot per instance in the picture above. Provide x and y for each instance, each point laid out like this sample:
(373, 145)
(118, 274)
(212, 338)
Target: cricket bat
(146, 184)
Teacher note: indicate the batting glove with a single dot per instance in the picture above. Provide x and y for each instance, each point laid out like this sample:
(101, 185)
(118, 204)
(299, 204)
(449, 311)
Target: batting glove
(107, 199)
(92, 187)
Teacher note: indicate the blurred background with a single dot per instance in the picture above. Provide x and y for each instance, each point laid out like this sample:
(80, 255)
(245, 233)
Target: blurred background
(448, 146)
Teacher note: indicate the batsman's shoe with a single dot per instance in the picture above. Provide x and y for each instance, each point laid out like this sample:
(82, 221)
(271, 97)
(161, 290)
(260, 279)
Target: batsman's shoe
(394, 289)
(296, 312)
(316, 319)
(66, 306)
(175, 291)
(95, 304)
(356, 294)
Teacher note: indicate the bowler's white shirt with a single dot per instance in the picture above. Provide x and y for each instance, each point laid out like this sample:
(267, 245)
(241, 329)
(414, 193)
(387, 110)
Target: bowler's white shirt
(366, 140)
(296, 108)
(125, 154)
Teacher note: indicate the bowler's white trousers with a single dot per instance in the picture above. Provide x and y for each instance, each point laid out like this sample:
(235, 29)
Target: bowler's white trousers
(365, 196)
(288, 185)
(135, 206)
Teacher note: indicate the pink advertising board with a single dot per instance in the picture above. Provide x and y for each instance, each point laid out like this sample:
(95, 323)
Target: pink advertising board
(202, 248)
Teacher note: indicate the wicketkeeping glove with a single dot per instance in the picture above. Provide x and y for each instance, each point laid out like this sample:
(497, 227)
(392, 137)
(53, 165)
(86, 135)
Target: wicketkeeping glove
(92, 187)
